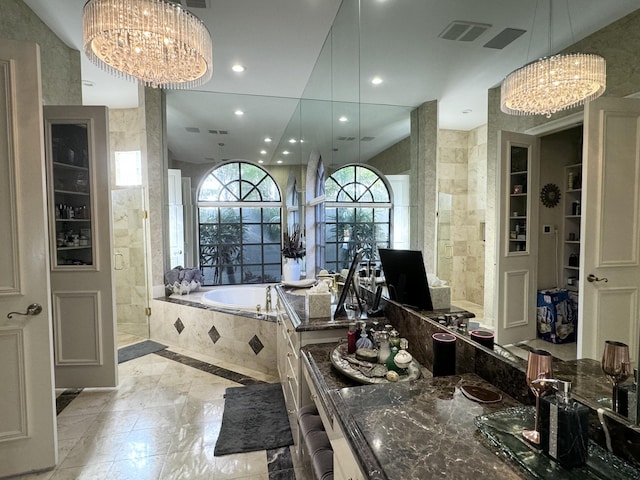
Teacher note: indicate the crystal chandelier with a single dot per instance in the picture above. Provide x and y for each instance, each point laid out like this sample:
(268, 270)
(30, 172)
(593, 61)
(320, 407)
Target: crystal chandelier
(157, 42)
(553, 83)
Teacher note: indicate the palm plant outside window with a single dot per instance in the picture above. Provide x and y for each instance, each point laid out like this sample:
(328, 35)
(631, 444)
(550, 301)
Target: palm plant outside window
(239, 211)
(357, 215)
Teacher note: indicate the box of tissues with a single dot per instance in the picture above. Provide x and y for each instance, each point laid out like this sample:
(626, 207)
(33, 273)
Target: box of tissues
(318, 301)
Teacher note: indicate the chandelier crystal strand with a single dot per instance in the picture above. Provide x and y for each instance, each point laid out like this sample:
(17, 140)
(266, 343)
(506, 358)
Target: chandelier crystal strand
(553, 84)
(157, 42)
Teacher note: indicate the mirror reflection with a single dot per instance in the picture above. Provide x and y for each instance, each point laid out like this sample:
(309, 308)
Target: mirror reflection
(339, 122)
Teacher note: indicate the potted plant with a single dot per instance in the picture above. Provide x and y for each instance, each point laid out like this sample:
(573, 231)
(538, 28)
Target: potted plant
(292, 251)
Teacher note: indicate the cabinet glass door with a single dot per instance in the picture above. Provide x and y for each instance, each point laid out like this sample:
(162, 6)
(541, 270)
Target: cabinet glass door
(518, 188)
(71, 194)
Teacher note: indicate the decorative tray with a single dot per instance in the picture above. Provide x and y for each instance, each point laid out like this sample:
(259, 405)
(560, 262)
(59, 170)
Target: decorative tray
(503, 430)
(365, 372)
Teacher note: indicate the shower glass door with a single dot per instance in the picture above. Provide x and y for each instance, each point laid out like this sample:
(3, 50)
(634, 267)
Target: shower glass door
(130, 263)
(444, 266)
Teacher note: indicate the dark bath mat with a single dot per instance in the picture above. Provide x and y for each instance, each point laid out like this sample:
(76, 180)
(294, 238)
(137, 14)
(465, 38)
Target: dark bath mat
(138, 350)
(254, 418)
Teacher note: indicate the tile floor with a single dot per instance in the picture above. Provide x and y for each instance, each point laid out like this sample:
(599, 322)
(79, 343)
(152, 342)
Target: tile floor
(161, 422)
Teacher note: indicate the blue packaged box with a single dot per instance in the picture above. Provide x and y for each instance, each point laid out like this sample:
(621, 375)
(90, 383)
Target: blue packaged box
(556, 316)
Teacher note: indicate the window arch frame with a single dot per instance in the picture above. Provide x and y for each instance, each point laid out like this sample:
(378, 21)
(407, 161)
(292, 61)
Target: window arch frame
(220, 268)
(331, 221)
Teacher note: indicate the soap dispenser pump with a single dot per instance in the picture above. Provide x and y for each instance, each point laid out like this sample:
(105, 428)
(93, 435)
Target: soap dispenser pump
(564, 426)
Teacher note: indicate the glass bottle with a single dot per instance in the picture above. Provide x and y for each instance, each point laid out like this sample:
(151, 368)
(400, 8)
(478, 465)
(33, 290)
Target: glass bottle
(391, 365)
(384, 350)
(351, 338)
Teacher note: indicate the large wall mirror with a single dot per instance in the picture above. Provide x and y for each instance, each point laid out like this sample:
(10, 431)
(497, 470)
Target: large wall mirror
(339, 118)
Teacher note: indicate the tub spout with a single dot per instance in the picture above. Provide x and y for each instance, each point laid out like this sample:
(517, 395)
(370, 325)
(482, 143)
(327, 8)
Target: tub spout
(267, 303)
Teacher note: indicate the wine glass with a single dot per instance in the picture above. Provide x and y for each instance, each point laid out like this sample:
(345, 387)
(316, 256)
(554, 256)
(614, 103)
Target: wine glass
(616, 366)
(538, 367)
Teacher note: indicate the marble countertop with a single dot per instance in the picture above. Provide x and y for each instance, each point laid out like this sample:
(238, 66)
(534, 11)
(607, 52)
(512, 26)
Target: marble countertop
(411, 430)
(294, 304)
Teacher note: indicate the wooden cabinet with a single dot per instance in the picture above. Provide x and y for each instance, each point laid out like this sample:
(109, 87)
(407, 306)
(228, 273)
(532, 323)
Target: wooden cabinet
(77, 156)
(518, 191)
(572, 217)
(71, 192)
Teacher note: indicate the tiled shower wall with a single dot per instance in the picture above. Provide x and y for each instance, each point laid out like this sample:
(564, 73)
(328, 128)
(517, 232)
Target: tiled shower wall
(462, 160)
(128, 204)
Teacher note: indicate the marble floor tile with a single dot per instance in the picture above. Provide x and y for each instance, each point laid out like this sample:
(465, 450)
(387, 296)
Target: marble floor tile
(161, 422)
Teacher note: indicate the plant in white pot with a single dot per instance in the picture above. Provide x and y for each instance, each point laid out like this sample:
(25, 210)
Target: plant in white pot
(292, 251)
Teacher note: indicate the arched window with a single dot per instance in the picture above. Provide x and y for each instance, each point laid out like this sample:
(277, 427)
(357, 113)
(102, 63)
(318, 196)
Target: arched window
(357, 215)
(239, 209)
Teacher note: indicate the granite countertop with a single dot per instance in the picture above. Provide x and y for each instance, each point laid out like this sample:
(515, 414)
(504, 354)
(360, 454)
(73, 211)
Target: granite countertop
(411, 430)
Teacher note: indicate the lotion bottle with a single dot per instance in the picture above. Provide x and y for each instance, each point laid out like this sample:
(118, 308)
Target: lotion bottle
(564, 426)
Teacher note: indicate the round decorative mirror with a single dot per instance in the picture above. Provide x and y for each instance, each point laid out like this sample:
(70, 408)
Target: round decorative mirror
(550, 195)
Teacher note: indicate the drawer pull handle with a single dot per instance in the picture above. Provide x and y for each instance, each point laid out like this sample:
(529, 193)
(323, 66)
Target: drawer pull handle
(314, 397)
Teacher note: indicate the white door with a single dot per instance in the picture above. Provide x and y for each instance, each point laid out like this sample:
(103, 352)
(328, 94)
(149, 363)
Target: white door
(610, 230)
(28, 440)
(176, 225)
(83, 310)
(517, 242)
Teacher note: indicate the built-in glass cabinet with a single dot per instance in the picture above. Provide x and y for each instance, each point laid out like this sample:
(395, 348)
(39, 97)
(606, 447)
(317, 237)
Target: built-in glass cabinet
(518, 204)
(71, 194)
(572, 217)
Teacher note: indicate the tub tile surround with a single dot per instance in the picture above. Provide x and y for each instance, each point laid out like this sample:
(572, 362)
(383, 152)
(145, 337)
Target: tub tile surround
(225, 335)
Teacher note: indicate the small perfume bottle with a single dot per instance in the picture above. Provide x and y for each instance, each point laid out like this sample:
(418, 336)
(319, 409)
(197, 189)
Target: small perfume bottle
(564, 426)
(628, 398)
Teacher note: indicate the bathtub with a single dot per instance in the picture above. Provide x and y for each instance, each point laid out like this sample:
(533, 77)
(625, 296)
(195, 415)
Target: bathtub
(221, 323)
(240, 297)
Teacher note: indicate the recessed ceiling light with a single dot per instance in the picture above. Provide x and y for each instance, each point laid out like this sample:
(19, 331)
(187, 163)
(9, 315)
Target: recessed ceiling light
(88, 83)
(238, 68)
(376, 80)
(263, 152)
(239, 112)
(279, 161)
(260, 161)
(343, 119)
(267, 139)
(292, 140)
(286, 152)
(468, 110)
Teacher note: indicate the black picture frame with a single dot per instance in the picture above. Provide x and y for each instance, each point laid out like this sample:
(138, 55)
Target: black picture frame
(340, 310)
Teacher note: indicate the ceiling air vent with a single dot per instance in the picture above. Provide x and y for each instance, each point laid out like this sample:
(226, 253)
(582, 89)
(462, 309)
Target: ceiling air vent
(192, 129)
(366, 139)
(504, 38)
(223, 132)
(464, 31)
(346, 139)
(213, 131)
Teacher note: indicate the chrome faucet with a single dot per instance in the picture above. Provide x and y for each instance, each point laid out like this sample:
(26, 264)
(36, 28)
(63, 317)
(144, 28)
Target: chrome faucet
(267, 304)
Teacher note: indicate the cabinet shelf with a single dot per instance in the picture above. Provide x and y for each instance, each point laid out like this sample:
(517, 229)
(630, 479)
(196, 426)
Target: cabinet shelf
(520, 172)
(88, 220)
(577, 217)
(70, 166)
(572, 268)
(69, 192)
(572, 242)
(78, 247)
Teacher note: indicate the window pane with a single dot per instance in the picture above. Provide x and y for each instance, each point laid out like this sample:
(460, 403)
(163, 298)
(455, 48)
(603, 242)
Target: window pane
(331, 190)
(380, 192)
(210, 189)
(346, 214)
(251, 214)
(233, 241)
(381, 214)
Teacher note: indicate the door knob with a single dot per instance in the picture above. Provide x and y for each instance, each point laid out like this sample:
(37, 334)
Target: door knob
(33, 309)
(592, 278)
